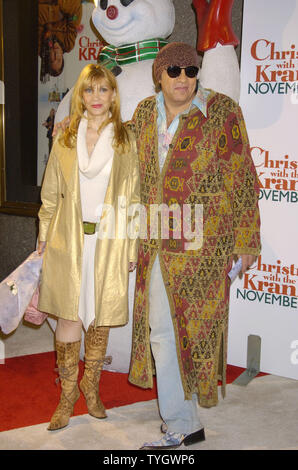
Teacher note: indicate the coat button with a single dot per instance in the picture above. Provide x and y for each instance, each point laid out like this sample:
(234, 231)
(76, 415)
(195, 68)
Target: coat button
(62, 195)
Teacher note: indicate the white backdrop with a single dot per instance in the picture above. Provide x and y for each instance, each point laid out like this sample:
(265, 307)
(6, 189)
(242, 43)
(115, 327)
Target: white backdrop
(264, 302)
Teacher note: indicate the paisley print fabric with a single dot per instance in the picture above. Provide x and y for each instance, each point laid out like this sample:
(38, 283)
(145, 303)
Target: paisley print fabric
(208, 163)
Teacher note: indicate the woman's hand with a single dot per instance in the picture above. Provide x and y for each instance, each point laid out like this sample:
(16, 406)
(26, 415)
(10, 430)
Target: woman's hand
(41, 247)
(132, 266)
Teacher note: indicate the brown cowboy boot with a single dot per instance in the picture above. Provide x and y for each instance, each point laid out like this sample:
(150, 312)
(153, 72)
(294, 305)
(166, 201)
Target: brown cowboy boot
(68, 356)
(96, 341)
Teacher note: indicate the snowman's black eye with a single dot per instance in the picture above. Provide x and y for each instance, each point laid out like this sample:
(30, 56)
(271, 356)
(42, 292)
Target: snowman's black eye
(125, 3)
(103, 4)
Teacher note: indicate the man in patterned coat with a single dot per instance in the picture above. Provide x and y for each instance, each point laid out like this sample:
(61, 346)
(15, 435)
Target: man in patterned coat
(193, 152)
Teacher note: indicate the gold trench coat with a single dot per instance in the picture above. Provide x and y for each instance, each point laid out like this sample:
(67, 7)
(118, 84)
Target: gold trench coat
(61, 226)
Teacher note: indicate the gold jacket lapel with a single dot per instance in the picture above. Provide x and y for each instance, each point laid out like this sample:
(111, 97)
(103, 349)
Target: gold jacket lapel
(119, 171)
(69, 168)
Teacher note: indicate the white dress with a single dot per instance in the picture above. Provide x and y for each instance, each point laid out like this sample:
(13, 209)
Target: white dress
(94, 174)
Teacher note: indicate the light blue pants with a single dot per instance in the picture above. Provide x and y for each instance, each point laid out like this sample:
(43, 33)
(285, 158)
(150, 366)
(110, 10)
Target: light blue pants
(180, 415)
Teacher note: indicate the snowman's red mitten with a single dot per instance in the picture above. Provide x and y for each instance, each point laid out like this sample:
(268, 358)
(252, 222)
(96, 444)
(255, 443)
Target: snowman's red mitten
(214, 23)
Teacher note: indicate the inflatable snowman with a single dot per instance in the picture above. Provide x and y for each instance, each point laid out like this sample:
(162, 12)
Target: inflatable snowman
(135, 30)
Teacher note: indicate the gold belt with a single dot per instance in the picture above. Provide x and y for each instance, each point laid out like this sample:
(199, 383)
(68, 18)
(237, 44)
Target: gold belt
(89, 228)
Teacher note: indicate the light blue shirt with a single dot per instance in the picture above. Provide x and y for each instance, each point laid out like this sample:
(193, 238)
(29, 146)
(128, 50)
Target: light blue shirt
(165, 135)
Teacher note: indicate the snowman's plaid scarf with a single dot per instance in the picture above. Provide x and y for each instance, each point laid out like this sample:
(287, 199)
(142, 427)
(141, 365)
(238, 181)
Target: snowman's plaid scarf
(110, 56)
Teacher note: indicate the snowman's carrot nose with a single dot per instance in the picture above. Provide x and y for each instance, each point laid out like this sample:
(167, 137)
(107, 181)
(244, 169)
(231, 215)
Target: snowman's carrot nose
(112, 12)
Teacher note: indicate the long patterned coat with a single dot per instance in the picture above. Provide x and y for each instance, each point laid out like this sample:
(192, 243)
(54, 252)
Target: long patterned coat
(208, 163)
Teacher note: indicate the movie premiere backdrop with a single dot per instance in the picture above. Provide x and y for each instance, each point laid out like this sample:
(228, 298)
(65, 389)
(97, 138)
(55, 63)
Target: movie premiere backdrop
(264, 301)
(82, 44)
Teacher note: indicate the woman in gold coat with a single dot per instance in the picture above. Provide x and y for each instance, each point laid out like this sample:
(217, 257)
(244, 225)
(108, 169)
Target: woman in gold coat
(88, 240)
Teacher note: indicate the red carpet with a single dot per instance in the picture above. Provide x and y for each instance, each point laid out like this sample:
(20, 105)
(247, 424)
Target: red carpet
(29, 394)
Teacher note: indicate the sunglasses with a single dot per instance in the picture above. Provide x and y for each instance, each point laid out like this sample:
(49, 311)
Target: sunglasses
(174, 71)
